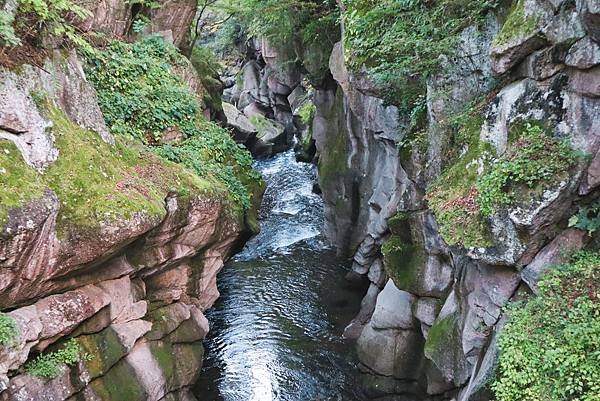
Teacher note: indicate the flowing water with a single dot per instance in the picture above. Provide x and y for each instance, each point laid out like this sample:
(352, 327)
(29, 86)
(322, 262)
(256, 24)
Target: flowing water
(276, 330)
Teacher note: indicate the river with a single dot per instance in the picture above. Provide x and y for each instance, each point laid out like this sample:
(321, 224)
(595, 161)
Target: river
(276, 329)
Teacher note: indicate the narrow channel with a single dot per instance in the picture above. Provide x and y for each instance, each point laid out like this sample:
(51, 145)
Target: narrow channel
(276, 331)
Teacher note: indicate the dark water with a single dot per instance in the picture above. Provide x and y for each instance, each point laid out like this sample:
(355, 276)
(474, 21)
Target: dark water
(276, 330)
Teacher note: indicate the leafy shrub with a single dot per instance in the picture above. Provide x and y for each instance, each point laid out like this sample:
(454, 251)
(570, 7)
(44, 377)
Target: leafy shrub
(400, 41)
(141, 97)
(52, 17)
(534, 159)
(550, 348)
(588, 218)
(138, 92)
(51, 365)
(8, 329)
(212, 151)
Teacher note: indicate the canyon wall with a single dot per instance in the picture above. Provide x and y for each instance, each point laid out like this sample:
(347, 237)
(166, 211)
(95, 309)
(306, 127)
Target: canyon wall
(102, 242)
(402, 208)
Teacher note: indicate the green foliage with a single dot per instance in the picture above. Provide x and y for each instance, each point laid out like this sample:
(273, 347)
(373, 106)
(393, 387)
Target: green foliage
(8, 330)
(587, 219)
(550, 348)
(282, 21)
(51, 365)
(138, 91)
(400, 41)
(53, 17)
(140, 24)
(533, 160)
(7, 30)
(213, 152)
(141, 97)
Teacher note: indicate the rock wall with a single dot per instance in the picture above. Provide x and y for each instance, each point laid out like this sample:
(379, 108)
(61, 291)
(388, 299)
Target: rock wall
(102, 243)
(265, 93)
(429, 322)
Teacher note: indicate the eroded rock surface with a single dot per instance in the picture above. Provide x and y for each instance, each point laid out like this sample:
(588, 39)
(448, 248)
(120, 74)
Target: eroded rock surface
(430, 331)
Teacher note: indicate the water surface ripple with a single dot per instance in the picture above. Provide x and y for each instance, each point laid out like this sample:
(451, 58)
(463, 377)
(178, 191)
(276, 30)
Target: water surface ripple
(276, 330)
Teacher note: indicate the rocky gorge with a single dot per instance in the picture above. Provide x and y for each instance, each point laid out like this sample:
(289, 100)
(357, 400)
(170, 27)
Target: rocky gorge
(449, 210)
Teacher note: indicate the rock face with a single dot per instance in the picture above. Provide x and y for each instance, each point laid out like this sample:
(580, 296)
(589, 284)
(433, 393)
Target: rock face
(130, 285)
(429, 322)
(172, 19)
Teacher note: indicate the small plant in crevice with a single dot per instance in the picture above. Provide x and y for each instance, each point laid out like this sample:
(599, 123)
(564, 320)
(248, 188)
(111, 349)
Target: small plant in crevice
(9, 332)
(52, 17)
(51, 365)
(532, 161)
(307, 112)
(587, 219)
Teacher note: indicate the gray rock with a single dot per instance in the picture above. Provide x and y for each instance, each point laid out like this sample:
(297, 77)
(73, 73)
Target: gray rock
(540, 65)
(584, 54)
(238, 120)
(427, 309)
(586, 82)
(553, 253)
(377, 273)
(393, 309)
(565, 28)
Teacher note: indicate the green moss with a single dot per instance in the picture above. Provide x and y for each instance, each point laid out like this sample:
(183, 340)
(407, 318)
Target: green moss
(453, 195)
(207, 66)
(518, 24)
(162, 352)
(19, 182)
(307, 113)
(97, 182)
(404, 263)
(106, 349)
(442, 336)
(397, 223)
(120, 383)
(92, 181)
(332, 162)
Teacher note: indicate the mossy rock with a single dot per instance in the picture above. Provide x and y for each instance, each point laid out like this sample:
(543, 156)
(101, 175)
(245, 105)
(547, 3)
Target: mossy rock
(19, 182)
(404, 263)
(162, 352)
(398, 223)
(444, 347)
(453, 195)
(120, 383)
(105, 350)
(517, 25)
(94, 181)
